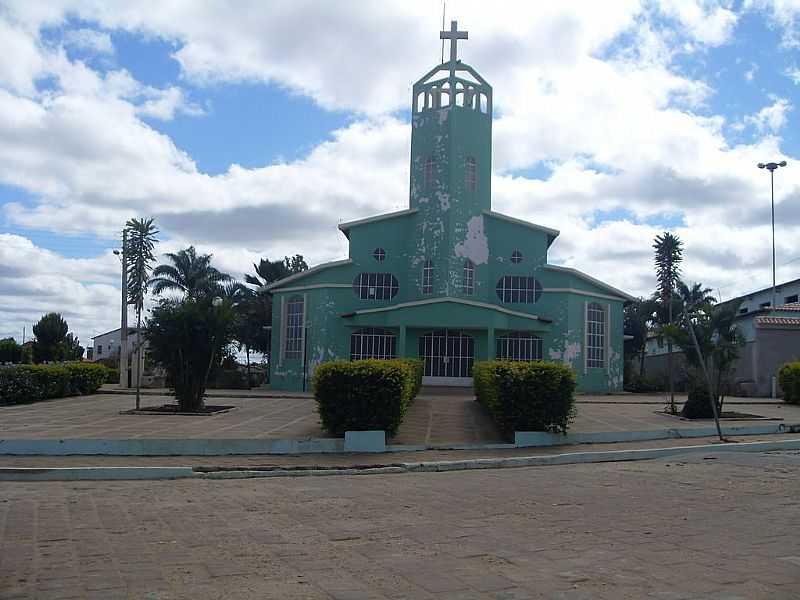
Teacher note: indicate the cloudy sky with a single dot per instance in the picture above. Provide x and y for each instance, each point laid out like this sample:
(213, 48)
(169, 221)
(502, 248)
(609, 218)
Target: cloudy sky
(251, 129)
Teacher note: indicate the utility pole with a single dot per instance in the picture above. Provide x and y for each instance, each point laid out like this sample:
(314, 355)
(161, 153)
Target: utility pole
(123, 333)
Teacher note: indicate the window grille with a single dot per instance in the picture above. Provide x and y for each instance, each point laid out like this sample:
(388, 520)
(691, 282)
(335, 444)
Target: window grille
(468, 284)
(519, 289)
(471, 174)
(373, 343)
(595, 335)
(379, 254)
(516, 257)
(519, 345)
(427, 277)
(294, 327)
(447, 353)
(375, 286)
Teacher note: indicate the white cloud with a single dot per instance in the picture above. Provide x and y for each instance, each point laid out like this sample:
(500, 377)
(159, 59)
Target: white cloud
(793, 73)
(89, 39)
(772, 118)
(784, 14)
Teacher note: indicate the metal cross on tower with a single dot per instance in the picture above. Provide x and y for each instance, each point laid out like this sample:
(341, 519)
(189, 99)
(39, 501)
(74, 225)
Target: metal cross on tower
(453, 35)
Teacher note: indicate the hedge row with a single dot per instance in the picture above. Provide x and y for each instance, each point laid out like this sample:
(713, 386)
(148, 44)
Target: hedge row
(526, 396)
(365, 395)
(789, 379)
(32, 383)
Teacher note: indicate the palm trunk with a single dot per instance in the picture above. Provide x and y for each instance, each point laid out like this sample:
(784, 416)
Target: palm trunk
(138, 356)
(672, 408)
(708, 379)
(247, 353)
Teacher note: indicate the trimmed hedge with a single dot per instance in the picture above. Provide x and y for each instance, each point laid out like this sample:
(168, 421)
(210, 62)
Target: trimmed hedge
(526, 396)
(789, 380)
(32, 383)
(365, 395)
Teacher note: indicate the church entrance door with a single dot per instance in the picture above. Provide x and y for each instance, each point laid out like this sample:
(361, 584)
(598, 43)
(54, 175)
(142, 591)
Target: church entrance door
(449, 356)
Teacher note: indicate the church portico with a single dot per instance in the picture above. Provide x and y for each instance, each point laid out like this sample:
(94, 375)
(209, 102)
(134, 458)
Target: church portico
(448, 280)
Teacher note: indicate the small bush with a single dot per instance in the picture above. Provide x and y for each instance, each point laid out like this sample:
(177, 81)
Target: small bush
(642, 384)
(365, 395)
(32, 383)
(112, 375)
(789, 380)
(526, 396)
(698, 404)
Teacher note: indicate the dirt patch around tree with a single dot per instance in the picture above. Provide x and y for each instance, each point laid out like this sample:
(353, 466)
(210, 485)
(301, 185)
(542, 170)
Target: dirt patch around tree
(727, 415)
(173, 409)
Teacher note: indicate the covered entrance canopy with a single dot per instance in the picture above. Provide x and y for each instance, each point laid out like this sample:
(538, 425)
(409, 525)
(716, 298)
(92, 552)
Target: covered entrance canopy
(448, 334)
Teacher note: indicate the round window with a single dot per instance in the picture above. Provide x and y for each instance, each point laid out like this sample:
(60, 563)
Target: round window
(516, 257)
(379, 254)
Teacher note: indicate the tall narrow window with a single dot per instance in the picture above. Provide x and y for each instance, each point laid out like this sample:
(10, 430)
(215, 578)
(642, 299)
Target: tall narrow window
(595, 336)
(471, 174)
(468, 284)
(427, 277)
(294, 327)
(428, 172)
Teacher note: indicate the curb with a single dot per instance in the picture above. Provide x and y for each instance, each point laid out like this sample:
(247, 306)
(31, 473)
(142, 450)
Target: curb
(155, 473)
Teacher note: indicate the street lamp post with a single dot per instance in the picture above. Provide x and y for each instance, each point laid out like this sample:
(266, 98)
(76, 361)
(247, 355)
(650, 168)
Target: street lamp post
(771, 166)
(123, 332)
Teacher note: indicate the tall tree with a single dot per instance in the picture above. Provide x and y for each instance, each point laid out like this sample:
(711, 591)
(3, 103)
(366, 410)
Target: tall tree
(190, 274)
(638, 318)
(140, 242)
(668, 257)
(50, 333)
(71, 348)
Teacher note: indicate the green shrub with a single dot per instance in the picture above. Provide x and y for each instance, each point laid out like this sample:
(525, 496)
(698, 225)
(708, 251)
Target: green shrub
(365, 395)
(526, 396)
(112, 375)
(32, 383)
(643, 384)
(789, 380)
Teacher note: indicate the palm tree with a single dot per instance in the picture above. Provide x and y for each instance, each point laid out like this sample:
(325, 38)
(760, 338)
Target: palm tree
(140, 239)
(190, 273)
(668, 257)
(270, 271)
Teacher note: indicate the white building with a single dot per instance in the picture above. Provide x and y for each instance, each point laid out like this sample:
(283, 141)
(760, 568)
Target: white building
(771, 336)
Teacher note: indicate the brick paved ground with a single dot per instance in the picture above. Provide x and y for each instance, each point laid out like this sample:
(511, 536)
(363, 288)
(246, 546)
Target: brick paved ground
(433, 419)
(695, 528)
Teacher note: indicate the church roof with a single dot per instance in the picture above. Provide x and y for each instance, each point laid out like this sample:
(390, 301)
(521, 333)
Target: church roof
(345, 227)
(590, 279)
(302, 274)
(552, 233)
(451, 300)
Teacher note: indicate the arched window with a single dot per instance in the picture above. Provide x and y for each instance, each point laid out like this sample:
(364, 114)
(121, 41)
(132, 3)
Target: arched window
(595, 336)
(295, 315)
(428, 172)
(373, 342)
(471, 174)
(468, 283)
(519, 289)
(427, 277)
(375, 286)
(519, 345)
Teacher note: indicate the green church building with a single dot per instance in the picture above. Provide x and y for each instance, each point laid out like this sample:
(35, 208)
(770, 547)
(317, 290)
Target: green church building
(448, 280)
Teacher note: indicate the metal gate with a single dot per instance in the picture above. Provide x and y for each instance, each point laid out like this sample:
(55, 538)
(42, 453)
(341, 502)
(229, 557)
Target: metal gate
(448, 355)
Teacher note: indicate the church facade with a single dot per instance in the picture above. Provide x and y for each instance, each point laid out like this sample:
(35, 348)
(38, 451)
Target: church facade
(448, 280)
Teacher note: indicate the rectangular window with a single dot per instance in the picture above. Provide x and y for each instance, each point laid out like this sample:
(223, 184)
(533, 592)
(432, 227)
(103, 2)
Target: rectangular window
(99, 350)
(790, 299)
(427, 277)
(373, 343)
(471, 174)
(468, 285)
(595, 336)
(295, 309)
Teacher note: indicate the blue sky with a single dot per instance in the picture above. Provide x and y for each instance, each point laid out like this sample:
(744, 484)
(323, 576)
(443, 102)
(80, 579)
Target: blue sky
(611, 124)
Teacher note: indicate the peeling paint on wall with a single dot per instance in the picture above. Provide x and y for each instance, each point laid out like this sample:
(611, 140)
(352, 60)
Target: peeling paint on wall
(444, 200)
(475, 246)
(443, 114)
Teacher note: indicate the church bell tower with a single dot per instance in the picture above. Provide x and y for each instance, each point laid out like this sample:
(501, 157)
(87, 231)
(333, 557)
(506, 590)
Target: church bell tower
(451, 153)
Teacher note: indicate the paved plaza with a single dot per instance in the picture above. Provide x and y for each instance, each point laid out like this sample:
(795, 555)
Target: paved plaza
(436, 417)
(710, 527)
